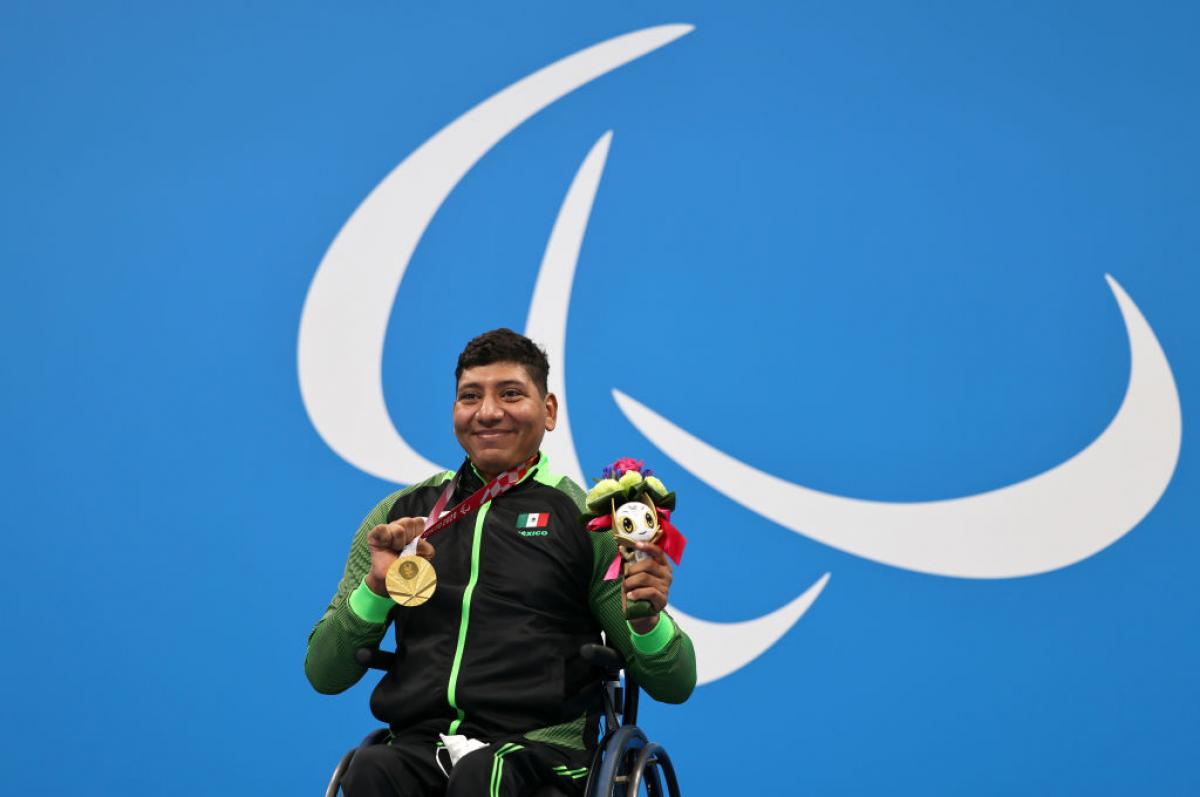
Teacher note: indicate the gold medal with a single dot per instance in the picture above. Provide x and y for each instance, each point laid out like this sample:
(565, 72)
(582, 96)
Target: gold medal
(411, 580)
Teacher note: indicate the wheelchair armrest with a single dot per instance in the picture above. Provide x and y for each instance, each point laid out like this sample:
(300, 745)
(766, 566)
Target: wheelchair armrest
(374, 658)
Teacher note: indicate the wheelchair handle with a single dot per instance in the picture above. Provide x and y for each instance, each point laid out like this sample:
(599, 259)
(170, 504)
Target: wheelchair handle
(604, 657)
(374, 658)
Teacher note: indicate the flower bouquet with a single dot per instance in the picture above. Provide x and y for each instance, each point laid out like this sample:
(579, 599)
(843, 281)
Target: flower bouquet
(632, 504)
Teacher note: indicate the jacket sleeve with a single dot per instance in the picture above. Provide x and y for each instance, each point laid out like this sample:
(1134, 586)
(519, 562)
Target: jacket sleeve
(663, 661)
(330, 664)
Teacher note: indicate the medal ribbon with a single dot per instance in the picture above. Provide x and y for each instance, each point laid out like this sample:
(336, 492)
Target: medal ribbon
(497, 486)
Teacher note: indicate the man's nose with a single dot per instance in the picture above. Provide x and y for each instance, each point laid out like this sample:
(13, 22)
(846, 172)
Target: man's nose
(490, 410)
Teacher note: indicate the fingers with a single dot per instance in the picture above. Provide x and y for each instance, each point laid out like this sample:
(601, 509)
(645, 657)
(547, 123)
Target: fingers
(649, 579)
(425, 549)
(646, 573)
(656, 553)
(655, 595)
(657, 564)
(395, 535)
(638, 581)
(380, 537)
(412, 527)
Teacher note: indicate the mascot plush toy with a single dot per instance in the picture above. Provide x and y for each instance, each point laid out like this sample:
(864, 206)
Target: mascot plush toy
(629, 502)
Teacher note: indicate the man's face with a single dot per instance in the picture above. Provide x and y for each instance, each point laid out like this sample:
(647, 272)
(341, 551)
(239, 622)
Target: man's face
(500, 416)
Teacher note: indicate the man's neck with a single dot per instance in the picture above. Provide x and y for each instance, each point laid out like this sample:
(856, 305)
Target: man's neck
(486, 477)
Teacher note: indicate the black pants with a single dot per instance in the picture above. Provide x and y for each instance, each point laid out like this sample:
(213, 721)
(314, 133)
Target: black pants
(408, 767)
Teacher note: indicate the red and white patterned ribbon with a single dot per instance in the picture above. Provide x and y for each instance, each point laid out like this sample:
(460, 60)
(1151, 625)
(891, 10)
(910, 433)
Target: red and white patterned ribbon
(497, 486)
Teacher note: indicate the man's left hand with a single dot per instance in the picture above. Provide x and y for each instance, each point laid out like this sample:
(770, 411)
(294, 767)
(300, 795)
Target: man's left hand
(648, 580)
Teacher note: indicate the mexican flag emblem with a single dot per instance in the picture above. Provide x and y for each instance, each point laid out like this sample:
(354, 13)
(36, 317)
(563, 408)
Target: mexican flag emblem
(533, 520)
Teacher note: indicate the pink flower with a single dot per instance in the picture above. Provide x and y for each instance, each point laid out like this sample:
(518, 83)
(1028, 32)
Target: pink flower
(627, 464)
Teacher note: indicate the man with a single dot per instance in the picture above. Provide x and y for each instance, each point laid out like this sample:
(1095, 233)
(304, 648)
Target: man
(493, 656)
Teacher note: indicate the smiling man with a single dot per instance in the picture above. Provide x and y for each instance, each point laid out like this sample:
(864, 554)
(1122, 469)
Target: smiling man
(491, 662)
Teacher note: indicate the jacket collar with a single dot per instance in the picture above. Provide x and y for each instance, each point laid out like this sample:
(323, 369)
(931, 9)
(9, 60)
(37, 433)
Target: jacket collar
(469, 479)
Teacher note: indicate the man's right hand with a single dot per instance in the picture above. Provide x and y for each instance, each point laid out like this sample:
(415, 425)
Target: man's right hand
(386, 542)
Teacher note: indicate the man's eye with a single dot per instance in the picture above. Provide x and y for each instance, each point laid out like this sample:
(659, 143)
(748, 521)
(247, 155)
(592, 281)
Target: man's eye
(468, 396)
(511, 393)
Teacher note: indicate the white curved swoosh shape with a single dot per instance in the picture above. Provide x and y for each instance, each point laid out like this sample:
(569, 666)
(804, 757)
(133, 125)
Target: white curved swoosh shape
(344, 322)
(721, 648)
(1046, 522)
(724, 648)
(547, 322)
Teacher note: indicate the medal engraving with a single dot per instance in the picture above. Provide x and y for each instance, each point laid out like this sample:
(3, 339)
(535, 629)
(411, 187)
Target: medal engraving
(411, 580)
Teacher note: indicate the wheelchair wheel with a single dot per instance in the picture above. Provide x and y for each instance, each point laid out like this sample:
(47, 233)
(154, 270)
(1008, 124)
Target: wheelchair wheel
(377, 736)
(650, 761)
(628, 762)
(335, 781)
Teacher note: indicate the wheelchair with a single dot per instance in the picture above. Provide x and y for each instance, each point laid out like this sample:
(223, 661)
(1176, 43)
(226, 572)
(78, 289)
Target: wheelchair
(625, 761)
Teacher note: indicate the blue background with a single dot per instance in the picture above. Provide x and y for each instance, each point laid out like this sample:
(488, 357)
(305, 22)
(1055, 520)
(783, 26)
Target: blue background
(869, 240)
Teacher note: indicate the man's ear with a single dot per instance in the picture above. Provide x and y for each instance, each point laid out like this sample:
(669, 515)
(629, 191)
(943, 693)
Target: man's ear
(551, 411)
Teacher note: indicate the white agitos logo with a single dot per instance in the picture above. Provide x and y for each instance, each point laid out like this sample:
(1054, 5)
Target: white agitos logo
(1046, 522)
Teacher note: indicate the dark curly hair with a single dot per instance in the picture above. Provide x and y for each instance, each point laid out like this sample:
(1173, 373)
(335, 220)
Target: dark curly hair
(505, 346)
